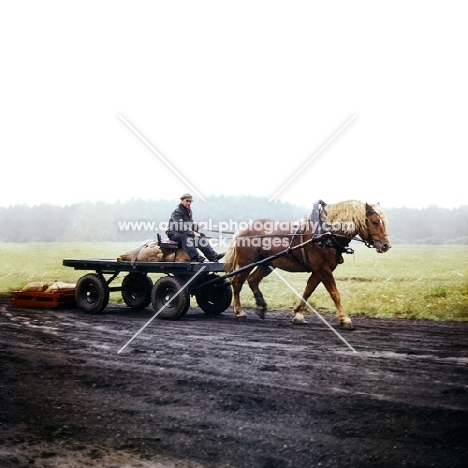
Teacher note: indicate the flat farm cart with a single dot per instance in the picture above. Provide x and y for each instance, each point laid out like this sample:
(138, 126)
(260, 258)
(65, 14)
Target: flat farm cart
(169, 295)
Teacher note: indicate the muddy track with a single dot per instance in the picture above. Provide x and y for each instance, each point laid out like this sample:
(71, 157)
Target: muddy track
(211, 392)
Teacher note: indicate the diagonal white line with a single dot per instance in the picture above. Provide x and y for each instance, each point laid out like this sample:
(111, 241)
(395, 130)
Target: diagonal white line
(159, 156)
(312, 158)
(310, 307)
(160, 310)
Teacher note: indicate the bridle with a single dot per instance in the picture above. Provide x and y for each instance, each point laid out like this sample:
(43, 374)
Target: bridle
(370, 241)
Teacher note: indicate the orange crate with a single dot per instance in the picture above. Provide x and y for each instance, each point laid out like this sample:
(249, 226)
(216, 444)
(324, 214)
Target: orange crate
(43, 300)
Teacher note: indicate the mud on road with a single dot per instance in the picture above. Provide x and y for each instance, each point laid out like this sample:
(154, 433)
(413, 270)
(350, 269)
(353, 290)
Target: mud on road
(211, 392)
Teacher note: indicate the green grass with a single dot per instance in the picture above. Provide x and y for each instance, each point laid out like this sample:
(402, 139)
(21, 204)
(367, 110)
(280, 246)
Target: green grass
(416, 282)
(413, 282)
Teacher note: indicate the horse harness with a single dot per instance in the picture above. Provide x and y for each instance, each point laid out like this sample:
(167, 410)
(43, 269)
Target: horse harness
(300, 230)
(330, 241)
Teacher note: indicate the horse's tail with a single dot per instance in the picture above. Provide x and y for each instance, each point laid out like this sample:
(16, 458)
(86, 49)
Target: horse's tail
(230, 259)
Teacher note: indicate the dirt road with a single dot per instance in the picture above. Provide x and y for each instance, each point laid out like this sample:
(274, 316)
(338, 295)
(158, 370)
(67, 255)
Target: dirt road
(211, 392)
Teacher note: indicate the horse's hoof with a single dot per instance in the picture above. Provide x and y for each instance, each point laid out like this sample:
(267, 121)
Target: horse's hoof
(260, 313)
(299, 321)
(347, 326)
(299, 318)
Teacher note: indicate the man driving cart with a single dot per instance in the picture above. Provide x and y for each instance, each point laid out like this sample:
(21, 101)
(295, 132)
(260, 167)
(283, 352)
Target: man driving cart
(184, 230)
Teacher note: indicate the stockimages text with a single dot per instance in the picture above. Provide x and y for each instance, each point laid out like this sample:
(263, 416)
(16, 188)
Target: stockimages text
(258, 233)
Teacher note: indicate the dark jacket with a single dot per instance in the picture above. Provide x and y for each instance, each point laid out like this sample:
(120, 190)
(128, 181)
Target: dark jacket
(181, 221)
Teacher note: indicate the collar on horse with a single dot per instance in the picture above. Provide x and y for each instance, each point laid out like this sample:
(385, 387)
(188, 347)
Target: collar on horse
(331, 240)
(319, 236)
(316, 216)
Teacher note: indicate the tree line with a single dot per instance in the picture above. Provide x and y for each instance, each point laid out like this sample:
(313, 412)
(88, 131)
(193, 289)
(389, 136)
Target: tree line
(105, 222)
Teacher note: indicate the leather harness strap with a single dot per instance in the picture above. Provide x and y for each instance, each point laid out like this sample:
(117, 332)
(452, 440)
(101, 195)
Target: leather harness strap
(304, 262)
(304, 255)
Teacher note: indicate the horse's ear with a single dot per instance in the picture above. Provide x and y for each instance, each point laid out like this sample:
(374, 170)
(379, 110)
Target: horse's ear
(368, 207)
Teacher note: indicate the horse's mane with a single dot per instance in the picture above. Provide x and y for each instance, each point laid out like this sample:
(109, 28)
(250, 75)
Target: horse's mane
(348, 212)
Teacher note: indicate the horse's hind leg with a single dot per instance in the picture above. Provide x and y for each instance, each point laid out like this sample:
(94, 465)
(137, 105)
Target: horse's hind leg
(237, 283)
(254, 281)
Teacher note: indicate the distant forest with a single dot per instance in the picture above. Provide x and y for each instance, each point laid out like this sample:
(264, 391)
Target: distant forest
(99, 221)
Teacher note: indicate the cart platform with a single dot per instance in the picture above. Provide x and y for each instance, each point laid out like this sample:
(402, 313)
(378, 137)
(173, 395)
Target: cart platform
(105, 265)
(170, 295)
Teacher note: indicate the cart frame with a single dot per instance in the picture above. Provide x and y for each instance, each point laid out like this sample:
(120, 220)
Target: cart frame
(169, 293)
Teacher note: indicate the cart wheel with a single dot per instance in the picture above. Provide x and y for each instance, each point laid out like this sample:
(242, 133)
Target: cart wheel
(215, 298)
(136, 290)
(92, 293)
(163, 291)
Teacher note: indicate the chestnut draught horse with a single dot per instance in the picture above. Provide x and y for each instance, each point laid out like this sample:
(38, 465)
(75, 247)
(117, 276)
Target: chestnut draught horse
(334, 226)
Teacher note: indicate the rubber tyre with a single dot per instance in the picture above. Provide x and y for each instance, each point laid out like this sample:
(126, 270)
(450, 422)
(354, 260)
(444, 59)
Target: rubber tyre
(92, 293)
(215, 298)
(165, 289)
(136, 290)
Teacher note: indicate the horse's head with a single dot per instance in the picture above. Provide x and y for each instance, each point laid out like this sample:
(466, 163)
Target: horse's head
(374, 232)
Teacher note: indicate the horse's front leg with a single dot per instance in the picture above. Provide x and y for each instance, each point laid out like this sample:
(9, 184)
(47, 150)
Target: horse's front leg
(329, 282)
(312, 283)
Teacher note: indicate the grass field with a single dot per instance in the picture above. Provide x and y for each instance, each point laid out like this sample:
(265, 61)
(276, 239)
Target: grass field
(416, 282)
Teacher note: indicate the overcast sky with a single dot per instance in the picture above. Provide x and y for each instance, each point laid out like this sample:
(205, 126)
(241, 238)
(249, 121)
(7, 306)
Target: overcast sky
(234, 98)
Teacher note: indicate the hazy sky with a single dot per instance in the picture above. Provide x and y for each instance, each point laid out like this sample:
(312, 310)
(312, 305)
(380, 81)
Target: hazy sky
(236, 97)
